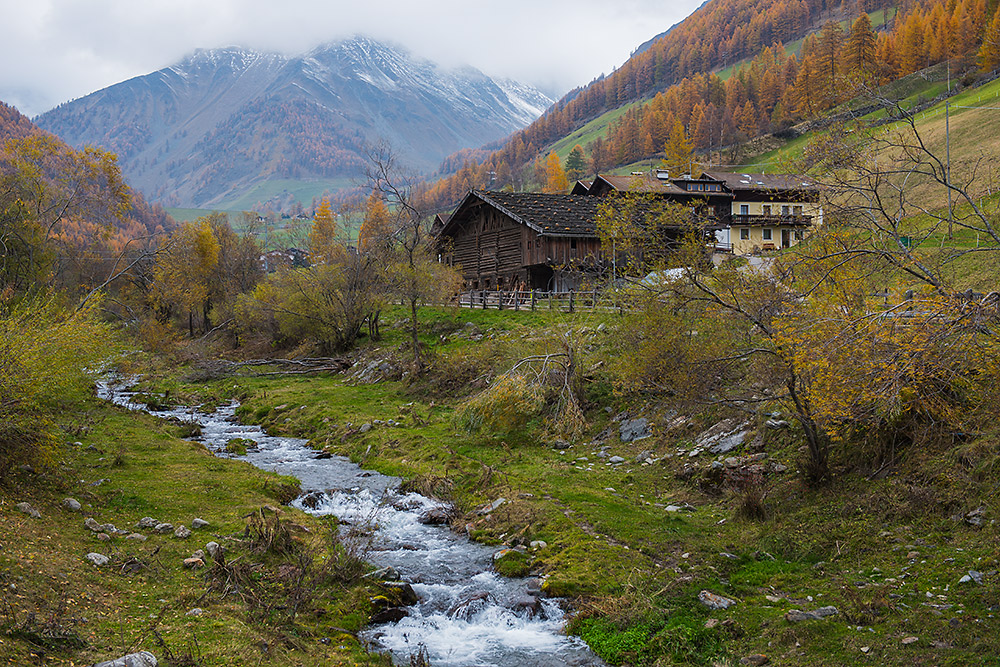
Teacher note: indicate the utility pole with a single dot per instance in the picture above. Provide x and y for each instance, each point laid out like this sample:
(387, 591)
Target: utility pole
(947, 168)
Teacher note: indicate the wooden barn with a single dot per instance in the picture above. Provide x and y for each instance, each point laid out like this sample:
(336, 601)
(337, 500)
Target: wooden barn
(521, 240)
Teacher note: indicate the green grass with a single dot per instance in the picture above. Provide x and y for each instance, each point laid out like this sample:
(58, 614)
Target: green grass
(127, 466)
(640, 568)
(586, 134)
(303, 191)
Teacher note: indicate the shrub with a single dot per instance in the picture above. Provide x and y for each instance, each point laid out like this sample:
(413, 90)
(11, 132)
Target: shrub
(47, 357)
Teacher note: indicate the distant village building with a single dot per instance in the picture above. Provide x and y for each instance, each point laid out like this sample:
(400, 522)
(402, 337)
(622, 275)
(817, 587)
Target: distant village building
(526, 241)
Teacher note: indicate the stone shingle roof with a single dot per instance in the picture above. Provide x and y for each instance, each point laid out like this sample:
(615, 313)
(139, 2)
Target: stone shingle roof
(548, 214)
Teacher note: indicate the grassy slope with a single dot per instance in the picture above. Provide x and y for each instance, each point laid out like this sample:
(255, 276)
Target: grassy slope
(148, 471)
(883, 551)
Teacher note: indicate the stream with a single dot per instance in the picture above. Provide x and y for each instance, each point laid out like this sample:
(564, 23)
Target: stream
(466, 614)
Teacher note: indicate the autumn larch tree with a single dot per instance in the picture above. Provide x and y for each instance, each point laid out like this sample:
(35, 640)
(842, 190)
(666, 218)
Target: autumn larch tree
(555, 178)
(677, 151)
(861, 43)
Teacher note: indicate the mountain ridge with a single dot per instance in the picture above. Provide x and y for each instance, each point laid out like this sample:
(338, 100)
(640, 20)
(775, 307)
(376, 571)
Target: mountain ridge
(204, 129)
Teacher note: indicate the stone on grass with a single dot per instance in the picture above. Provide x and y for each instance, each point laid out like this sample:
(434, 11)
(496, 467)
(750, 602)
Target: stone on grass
(214, 550)
(164, 528)
(29, 510)
(140, 659)
(714, 600)
(104, 537)
(147, 522)
(755, 659)
(100, 560)
(196, 611)
(973, 576)
(199, 523)
(193, 563)
(495, 505)
(182, 532)
(796, 615)
(91, 523)
(72, 504)
(365, 428)
(910, 640)
(138, 537)
(615, 460)
(634, 429)
(538, 544)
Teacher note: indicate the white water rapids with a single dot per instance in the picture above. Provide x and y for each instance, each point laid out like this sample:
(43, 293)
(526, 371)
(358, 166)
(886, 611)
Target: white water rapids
(466, 615)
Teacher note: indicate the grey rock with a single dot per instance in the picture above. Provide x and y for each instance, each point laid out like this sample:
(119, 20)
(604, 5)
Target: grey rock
(182, 532)
(91, 523)
(714, 600)
(614, 460)
(29, 510)
(164, 528)
(561, 445)
(796, 615)
(495, 505)
(631, 430)
(140, 659)
(100, 560)
(138, 537)
(198, 554)
(538, 544)
(110, 529)
(196, 611)
(683, 507)
(385, 574)
(193, 563)
(104, 537)
(214, 550)
(724, 437)
(973, 576)
(644, 455)
(756, 659)
(71, 504)
(199, 523)
(147, 522)
(365, 428)
(437, 516)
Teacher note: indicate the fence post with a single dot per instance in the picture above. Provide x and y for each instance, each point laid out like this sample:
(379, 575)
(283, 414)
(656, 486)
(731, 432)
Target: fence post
(593, 303)
(482, 298)
(517, 300)
(500, 299)
(571, 301)
(550, 299)
(533, 300)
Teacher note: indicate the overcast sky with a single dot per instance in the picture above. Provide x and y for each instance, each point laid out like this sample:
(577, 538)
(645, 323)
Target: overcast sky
(52, 51)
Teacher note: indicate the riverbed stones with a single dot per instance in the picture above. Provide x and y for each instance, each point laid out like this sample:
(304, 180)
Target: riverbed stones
(399, 593)
(140, 659)
(29, 510)
(388, 573)
(72, 504)
(98, 560)
(437, 516)
(389, 615)
(714, 600)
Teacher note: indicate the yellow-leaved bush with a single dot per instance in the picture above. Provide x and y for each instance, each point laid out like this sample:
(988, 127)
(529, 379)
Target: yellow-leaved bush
(48, 355)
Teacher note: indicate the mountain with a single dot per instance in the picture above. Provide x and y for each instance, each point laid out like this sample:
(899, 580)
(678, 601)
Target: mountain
(207, 130)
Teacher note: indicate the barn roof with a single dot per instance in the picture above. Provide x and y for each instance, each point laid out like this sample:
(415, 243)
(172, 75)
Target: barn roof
(742, 182)
(547, 214)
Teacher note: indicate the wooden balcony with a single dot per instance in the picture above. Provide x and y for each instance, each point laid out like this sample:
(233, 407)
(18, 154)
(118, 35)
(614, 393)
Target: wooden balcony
(750, 220)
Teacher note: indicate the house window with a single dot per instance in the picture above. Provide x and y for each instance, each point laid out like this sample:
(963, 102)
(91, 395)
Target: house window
(767, 209)
(784, 210)
(766, 234)
(798, 234)
(744, 234)
(797, 210)
(744, 209)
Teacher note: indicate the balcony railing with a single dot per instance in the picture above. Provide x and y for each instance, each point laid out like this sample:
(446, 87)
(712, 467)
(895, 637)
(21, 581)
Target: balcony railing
(752, 220)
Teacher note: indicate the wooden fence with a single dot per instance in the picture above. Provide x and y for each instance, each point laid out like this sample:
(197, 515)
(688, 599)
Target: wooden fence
(567, 302)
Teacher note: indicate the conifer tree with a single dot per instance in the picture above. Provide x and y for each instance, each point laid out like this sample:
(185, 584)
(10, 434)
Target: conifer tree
(861, 48)
(677, 151)
(989, 53)
(555, 178)
(576, 164)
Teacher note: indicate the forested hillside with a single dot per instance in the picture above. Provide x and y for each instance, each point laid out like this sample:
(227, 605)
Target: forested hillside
(688, 77)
